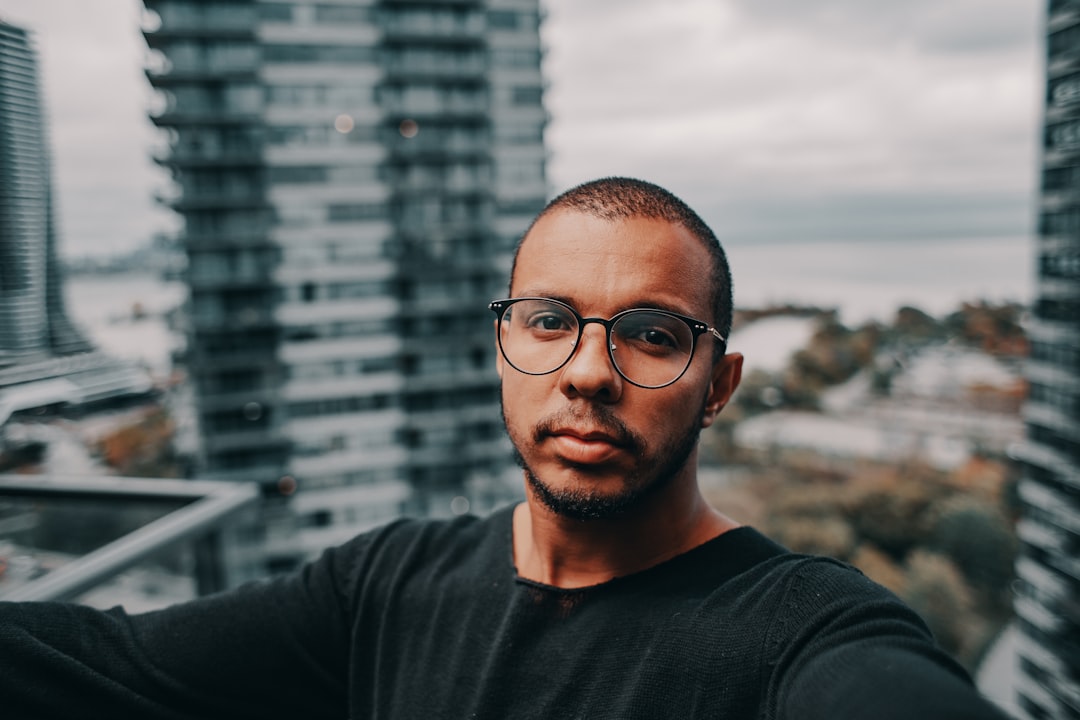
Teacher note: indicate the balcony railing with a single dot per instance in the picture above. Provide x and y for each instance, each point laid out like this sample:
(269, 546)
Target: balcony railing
(82, 552)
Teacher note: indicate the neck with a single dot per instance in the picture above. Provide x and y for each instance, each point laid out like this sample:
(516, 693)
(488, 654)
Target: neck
(568, 552)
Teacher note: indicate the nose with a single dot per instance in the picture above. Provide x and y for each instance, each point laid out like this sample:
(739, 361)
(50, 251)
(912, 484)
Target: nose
(590, 373)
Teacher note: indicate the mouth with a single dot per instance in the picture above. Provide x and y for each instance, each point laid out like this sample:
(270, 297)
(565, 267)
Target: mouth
(586, 447)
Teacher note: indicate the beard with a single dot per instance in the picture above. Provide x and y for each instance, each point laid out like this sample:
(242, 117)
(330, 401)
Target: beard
(584, 503)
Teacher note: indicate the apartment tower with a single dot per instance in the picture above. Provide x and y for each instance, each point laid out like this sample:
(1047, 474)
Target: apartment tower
(1048, 569)
(353, 176)
(33, 323)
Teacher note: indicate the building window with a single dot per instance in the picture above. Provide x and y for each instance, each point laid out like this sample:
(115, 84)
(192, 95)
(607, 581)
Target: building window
(350, 212)
(515, 58)
(334, 14)
(275, 12)
(298, 174)
(527, 95)
(503, 20)
(318, 54)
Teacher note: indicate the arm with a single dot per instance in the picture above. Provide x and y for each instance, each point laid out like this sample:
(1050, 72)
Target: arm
(268, 649)
(883, 681)
(853, 650)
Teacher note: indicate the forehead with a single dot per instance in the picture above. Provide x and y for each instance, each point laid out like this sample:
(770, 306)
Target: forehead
(603, 266)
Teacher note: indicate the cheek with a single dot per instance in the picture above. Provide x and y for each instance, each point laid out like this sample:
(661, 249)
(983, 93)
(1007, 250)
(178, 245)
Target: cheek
(518, 401)
(671, 412)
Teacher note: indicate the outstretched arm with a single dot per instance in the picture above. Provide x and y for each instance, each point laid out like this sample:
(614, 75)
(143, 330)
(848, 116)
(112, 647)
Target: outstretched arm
(271, 649)
(880, 681)
(850, 649)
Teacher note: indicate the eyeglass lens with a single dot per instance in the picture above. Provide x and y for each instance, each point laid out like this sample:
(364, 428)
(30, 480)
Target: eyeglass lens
(649, 348)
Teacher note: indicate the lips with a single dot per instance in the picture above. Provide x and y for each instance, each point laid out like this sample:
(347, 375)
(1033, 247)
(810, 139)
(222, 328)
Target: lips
(585, 447)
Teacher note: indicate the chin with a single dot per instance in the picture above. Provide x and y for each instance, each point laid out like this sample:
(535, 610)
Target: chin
(582, 502)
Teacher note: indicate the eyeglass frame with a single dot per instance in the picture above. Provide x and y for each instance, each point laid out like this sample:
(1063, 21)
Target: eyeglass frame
(697, 329)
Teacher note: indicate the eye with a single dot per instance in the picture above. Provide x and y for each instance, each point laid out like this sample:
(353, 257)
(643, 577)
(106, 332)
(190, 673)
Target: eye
(653, 333)
(657, 336)
(548, 321)
(545, 318)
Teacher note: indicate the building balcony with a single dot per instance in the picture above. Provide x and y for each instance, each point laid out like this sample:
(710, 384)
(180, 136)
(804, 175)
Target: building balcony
(1063, 14)
(200, 72)
(92, 539)
(1061, 63)
(412, 32)
(435, 144)
(211, 200)
(1039, 455)
(192, 157)
(435, 26)
(220, 440)
(1051, 331)
(422, 185)
(349, 461)
(1052, 416)
(244, 319)
(169, 16)
(206, 115)
(444, 111)
(398, 70)
(254, 358)
(196, 25)
(211, 281)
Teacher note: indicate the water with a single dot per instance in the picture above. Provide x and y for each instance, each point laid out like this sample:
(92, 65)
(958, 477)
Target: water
(861, 280)
(124, 315)
(871, 280)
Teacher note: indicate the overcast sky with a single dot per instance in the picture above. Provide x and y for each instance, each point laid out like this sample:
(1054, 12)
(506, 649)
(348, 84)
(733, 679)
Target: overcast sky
(779, 120)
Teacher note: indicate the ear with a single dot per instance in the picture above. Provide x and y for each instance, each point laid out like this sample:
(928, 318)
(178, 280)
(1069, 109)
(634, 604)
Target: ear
(725, 378)
(498, 351)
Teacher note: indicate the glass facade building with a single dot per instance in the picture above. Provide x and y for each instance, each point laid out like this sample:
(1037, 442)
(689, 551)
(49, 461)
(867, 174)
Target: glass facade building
(1048, 570)
(353, 176)
(33, 322)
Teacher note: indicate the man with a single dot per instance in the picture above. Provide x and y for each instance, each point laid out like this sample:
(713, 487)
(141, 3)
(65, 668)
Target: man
(613, 591)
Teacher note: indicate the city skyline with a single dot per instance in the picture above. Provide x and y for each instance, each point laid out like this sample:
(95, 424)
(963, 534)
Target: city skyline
(780, 123)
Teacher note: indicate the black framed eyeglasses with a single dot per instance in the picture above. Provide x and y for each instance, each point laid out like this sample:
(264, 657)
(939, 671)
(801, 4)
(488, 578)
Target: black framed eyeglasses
(649, 348)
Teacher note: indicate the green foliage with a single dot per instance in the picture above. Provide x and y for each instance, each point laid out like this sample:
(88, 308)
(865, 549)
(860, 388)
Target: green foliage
(836, 353)
(830, 536)
(940, 544)
(935, 589)
(913, 326)
(977, 538)
(893, 518)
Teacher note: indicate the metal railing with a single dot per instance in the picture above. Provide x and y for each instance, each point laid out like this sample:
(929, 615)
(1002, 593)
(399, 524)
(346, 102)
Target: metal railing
(197, 512)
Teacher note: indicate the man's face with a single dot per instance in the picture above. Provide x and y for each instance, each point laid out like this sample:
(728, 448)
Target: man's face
(591, 443)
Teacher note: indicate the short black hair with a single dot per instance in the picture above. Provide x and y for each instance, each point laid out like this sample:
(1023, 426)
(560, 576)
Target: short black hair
(616, 198)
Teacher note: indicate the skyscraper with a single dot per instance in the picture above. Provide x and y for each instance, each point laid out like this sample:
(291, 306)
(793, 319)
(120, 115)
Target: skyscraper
(33, 323)
(1048, 569)
(352, 176)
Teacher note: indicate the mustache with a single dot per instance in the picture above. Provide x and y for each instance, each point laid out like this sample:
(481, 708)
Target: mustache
(596, 417)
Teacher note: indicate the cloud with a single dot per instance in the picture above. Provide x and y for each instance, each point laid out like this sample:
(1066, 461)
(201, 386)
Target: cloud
(849, 116)
(936, 26)
(776, 118)
(95, 98)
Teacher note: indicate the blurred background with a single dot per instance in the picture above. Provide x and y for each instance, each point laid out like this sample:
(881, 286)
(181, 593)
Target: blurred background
(246, 248)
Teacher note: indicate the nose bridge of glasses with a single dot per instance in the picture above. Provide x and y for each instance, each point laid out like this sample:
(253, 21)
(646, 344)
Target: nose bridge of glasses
(604, 330)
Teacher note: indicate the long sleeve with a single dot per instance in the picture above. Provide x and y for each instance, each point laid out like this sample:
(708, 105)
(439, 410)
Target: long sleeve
(883, 681)
(847, 648)
(271, 649)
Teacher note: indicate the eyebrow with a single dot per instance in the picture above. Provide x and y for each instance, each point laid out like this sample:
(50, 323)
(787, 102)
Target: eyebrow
(647, 304)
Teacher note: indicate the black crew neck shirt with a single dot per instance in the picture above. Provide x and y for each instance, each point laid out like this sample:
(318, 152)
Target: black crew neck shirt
(429, 619)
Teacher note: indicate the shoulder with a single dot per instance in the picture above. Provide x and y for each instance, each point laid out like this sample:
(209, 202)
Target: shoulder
(749, 558)
(795, 600)
(410, 546)
(745, 560)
